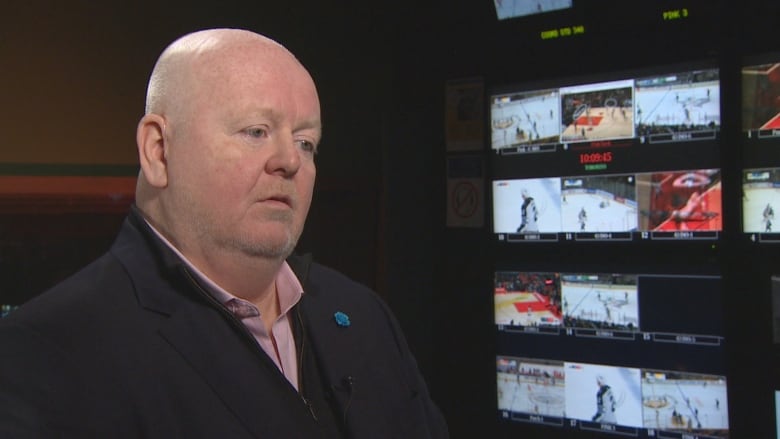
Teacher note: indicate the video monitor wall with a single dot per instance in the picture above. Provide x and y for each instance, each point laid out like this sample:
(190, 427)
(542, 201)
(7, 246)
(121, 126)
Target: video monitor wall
(624, 156)
(625, 354)
(626, 349)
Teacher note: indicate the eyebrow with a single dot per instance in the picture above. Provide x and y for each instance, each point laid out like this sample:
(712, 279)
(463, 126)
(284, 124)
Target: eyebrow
(275, 116)
(311, 124)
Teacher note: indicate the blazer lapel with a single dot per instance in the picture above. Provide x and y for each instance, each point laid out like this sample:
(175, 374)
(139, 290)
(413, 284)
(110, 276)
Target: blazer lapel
(240, 374)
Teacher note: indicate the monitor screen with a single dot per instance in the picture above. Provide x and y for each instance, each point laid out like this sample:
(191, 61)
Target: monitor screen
(761, 98)
(6, 309)
(777, 414)
(760, 196)
(506, 9)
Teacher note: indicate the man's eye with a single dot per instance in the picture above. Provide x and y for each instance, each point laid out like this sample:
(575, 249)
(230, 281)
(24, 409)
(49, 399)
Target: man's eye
(257, 132)
(307, 146)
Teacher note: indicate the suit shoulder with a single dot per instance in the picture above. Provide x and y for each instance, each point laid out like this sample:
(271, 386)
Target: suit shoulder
(321, 275)
(75, 296)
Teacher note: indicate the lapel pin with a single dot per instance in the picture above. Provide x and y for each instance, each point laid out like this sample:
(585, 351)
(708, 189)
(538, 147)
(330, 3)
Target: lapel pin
(341, 319)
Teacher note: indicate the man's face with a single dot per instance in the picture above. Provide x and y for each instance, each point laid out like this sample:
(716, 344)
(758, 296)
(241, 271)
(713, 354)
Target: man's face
(241, 159)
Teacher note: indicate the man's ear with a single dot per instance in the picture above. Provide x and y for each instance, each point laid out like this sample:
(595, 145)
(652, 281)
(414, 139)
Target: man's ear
(152, 149)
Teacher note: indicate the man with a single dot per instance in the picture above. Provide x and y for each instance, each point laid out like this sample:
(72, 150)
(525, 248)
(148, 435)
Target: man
(582, 217)
(528, 214)
(605, 403)
(198, 322)
(768, 215)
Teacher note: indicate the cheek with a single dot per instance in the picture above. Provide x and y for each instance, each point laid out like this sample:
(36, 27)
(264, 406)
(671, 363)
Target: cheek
(228, 175)
(306, 183)
(232, 186)
(216, 185)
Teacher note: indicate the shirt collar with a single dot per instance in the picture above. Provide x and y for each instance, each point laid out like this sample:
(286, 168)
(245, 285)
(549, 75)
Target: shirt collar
(288, 287)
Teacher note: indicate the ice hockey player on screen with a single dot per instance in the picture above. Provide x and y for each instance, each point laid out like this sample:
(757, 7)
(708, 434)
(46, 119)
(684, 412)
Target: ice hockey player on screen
(582, 217)
(605, 403)
(769, 215)
(529, 215)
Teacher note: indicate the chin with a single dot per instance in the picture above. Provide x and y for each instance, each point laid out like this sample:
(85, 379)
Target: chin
(272, 246)
(268, 250)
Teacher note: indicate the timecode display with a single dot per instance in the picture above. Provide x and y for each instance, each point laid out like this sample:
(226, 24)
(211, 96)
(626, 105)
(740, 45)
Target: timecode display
(595, 157)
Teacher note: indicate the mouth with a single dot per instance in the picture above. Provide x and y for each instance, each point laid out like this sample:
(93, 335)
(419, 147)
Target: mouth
(279, 200)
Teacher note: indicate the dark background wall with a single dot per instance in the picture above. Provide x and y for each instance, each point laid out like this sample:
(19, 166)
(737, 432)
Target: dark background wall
(72, 85)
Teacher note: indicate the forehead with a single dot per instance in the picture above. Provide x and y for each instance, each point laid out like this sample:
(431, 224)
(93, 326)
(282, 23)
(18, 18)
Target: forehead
(257, 77)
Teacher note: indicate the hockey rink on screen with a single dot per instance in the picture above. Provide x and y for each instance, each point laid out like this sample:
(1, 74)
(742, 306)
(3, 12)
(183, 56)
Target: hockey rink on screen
(599, 204)
(508, 200)
(604, 212)
(696, 104)
(601, 305)
(525, 118)
(531, 386)
(676, 401)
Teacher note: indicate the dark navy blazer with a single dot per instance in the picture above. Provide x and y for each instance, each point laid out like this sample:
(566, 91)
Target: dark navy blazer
(131, 347)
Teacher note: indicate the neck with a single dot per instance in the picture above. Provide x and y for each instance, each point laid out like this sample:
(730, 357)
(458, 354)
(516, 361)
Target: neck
(250, 278)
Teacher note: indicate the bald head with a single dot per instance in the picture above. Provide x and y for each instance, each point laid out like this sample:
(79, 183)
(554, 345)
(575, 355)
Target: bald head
(178, 69)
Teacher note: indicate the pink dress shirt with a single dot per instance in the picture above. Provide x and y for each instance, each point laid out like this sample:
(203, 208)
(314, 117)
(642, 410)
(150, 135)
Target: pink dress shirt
(279, 344)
